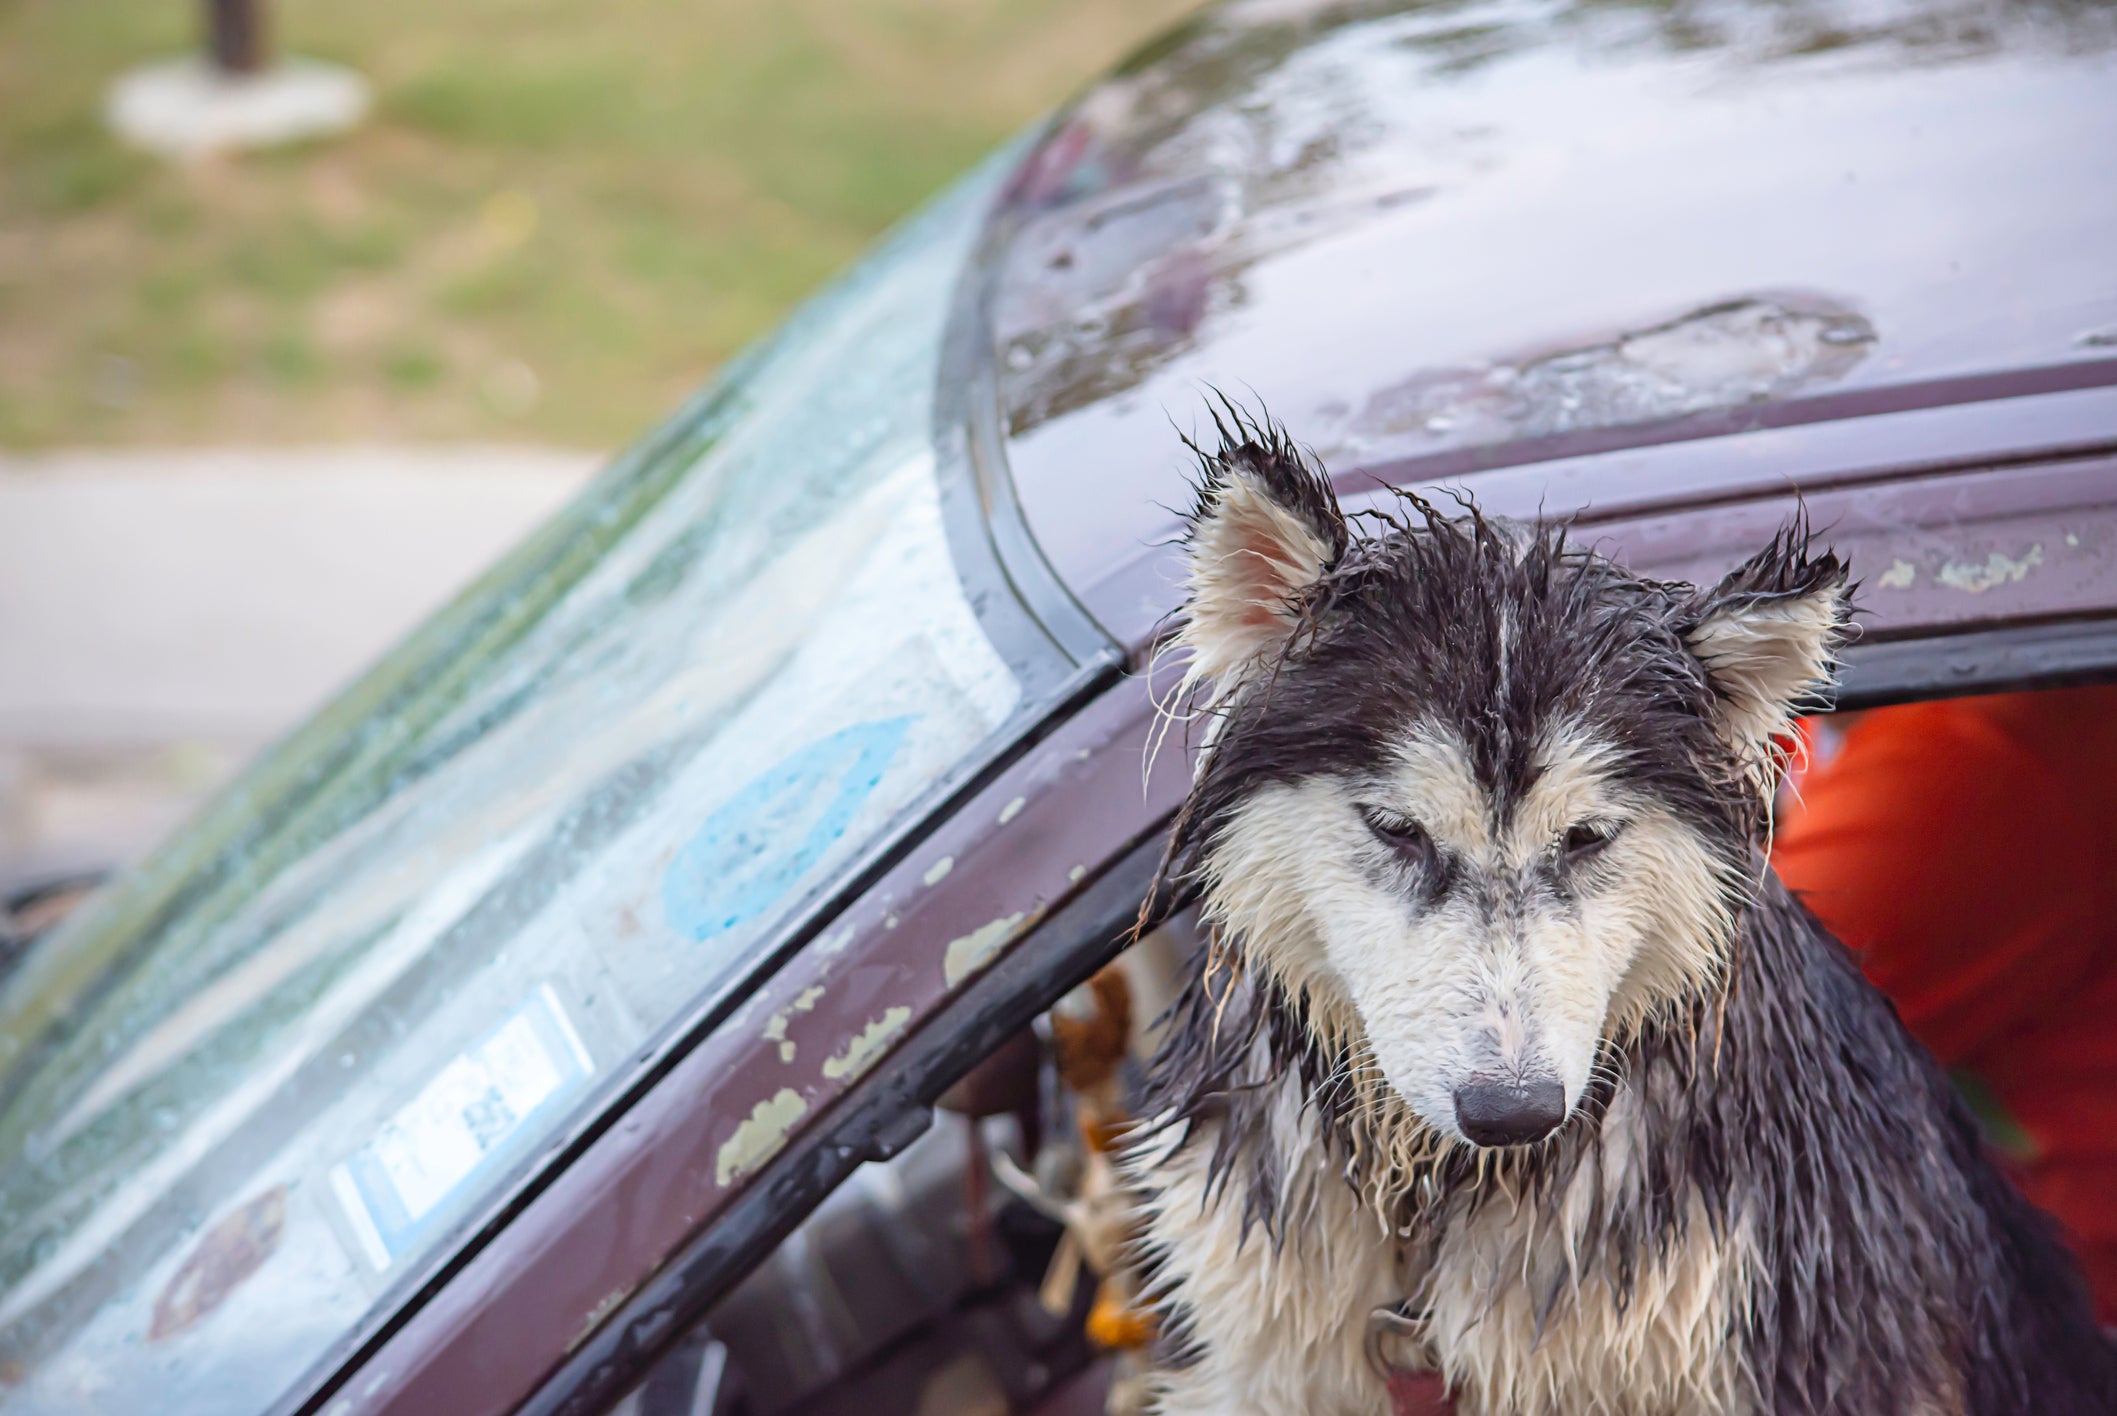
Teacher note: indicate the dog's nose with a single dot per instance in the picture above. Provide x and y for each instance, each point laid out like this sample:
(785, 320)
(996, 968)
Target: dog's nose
(1504, 1114)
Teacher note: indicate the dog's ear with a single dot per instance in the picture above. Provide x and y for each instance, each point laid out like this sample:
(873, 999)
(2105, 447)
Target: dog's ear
(1768, 637)
(1265, 528)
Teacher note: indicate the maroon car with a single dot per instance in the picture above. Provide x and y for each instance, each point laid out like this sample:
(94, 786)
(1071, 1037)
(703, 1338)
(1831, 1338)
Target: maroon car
(557, 1022)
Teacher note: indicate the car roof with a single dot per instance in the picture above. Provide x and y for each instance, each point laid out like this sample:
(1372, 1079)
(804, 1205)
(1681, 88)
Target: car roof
(1599, 262)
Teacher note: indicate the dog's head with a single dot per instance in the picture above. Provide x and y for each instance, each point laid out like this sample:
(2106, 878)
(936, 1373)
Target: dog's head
(1477, 802)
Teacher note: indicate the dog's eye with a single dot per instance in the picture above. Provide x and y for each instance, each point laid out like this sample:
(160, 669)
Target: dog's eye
(1585, 840)
(1401, 834)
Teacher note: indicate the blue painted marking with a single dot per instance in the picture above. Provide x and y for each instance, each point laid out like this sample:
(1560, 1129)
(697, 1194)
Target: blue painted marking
(766, 837)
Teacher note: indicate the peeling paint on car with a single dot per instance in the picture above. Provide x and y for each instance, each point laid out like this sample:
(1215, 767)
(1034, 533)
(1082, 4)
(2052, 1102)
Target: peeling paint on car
(743, 1015)
(1976, 577)
(1899, 575)
(604, 1307)
(976, 949)
(939, 870)
(862, 1050)
(776, 1029)
(759, 1138)
(1741, 350)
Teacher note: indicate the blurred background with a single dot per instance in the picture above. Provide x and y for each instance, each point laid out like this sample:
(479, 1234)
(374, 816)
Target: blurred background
(309, 309)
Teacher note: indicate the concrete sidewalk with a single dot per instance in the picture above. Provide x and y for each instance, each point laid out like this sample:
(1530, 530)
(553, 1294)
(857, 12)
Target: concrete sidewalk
(163, 614)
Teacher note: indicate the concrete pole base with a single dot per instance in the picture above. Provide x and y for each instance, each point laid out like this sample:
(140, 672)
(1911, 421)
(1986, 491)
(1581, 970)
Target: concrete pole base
(186, 108)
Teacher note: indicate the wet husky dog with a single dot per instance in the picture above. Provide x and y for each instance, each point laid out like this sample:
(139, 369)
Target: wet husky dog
(1508, 1039)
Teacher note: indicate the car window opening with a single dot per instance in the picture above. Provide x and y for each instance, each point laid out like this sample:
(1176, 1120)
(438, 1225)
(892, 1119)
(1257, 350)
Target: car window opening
(1953, 843)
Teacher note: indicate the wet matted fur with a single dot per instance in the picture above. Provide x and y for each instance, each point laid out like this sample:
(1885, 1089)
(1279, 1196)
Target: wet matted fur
(1477, 808)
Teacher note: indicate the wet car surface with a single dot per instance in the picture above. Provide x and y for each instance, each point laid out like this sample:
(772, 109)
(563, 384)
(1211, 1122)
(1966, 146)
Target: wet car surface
(1440, 240)
(488, 1033)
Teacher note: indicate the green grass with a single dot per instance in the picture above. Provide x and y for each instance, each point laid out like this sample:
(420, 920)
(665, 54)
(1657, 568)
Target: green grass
(612, 194)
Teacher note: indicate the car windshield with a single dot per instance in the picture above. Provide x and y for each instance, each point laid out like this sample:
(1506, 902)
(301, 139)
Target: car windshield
(255, 1090)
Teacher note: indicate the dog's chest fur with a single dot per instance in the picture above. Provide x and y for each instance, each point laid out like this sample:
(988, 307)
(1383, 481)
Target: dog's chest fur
(1524, 1316)
(1515, 1305)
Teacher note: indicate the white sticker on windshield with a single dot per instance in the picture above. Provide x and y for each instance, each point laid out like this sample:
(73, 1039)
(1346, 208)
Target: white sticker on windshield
(458, 1121)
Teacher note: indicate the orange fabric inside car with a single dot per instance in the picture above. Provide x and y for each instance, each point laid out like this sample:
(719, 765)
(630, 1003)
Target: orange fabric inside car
(1967, 850)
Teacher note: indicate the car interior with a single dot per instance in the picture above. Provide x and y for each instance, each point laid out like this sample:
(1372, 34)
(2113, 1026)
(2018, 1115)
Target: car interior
(982, 1271)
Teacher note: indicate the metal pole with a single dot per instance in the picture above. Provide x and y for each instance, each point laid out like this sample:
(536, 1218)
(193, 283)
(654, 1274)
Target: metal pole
(235, 35)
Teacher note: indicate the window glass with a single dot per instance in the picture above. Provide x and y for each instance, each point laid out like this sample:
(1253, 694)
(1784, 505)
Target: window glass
(251, 1090)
